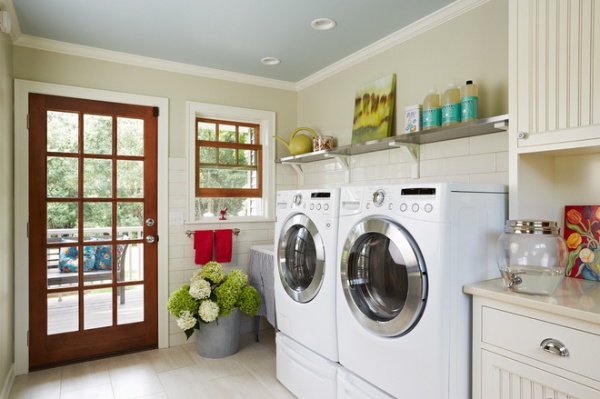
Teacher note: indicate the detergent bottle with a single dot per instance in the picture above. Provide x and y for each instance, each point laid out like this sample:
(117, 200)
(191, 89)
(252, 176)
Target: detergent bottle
(469, 102)
(451, 105)
(432, 112)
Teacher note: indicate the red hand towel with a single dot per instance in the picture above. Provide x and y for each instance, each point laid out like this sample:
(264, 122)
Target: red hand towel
(203, 244)
(224, 242)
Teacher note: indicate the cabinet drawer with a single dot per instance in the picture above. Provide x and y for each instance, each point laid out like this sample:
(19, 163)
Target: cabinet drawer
(523, 336)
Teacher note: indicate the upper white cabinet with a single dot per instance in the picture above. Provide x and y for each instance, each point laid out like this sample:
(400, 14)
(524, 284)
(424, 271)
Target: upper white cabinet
(554, 106)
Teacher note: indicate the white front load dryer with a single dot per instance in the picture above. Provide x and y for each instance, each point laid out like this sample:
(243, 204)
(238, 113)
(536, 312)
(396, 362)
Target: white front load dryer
(305, 282)
(405, 252)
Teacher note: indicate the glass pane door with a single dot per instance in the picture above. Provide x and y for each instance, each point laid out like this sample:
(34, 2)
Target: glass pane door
(92, 186)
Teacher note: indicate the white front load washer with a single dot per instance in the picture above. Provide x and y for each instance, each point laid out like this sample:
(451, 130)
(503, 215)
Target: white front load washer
(305, 280)
(405, 252)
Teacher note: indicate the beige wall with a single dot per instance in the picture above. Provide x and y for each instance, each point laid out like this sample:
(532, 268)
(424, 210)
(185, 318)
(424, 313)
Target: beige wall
(48, 67)
(6, 212)
(473, 46)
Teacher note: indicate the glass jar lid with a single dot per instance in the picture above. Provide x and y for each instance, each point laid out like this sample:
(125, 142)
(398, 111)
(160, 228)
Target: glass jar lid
(531, 227)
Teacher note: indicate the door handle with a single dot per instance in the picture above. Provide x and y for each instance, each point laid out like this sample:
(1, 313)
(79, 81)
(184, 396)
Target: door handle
(150, 239)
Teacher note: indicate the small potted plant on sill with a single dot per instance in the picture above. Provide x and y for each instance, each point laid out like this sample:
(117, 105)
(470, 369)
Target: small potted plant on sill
(211, 303)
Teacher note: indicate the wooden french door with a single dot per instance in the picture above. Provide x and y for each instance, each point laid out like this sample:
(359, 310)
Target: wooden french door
(92, 229)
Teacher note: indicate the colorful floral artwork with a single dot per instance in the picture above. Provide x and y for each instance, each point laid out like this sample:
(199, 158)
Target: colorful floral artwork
(582, 233)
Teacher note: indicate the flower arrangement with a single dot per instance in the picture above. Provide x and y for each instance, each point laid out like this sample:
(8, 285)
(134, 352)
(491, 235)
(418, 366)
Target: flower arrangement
(212, 294)
(582, 233)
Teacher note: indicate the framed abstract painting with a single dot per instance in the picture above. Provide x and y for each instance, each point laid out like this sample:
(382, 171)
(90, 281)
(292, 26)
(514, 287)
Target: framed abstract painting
(374, 110)
(582, 233)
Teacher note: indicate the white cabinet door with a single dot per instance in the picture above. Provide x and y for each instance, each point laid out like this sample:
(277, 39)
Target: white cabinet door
(554, 70)
(503, 378)
(554, 106)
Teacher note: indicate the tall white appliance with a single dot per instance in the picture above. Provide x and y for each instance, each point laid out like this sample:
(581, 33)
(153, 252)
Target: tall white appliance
(305, 290)
(405, 252)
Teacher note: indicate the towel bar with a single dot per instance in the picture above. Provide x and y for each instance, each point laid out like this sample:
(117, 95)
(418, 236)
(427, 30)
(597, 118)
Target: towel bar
(190, 232)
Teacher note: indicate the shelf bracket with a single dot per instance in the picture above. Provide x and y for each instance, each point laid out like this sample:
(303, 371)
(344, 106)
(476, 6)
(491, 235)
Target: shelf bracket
(341, 160)
(298, 168)
(412, 151)
(503, 125)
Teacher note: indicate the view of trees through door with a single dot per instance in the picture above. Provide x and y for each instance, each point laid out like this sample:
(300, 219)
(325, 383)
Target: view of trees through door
(92, 229)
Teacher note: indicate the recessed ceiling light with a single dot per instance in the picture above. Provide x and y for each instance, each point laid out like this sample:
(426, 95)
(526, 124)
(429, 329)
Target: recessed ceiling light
(270, 61)
(323, 24)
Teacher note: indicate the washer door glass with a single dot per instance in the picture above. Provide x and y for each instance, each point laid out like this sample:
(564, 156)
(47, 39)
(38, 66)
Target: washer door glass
(301, 255)
(383, 277)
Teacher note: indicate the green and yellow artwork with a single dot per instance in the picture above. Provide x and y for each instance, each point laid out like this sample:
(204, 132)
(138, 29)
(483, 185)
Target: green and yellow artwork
(374, 110)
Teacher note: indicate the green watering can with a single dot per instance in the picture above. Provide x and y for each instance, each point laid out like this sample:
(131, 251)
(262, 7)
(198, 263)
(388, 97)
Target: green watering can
(299, 144)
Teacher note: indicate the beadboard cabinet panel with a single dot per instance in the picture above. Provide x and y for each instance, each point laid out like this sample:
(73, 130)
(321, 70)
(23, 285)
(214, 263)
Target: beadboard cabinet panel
(557, 60)
(554, 106)
(504, 378)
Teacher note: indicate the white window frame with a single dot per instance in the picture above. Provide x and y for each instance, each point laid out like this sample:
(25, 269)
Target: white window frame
(266, 120)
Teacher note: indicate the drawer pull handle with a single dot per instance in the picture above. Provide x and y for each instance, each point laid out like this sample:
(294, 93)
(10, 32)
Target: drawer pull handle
(554, 346)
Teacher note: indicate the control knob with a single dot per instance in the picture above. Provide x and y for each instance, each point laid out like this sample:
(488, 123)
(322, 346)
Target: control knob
(378, 197)
(297, 199)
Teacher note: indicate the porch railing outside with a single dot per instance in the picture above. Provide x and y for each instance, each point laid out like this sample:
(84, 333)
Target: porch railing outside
(133, 256)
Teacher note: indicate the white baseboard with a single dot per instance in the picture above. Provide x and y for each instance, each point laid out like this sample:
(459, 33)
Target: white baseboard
(8, 382)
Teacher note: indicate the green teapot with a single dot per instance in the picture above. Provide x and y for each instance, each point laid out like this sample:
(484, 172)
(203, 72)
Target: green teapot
(299, 144)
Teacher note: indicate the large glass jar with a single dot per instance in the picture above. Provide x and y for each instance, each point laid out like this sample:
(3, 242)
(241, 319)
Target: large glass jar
(532, 256)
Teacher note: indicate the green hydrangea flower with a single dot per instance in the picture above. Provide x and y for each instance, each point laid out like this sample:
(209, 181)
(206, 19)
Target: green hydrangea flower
(237, 278)
(181, 301)
(249, 300)
(212, 294)
(213, 272)
(227, 296)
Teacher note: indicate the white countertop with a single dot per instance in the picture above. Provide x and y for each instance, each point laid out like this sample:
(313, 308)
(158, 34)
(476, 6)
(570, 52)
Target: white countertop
(575, 298)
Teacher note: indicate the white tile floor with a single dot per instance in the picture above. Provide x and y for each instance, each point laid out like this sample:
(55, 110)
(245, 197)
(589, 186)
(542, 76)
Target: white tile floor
(176, 372)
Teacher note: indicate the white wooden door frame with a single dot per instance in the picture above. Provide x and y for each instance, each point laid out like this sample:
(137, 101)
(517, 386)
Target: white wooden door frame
(21, 167)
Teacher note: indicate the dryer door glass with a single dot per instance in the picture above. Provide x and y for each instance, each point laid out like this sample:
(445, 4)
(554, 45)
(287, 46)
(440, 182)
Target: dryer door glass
(383, 277)
(301, 258)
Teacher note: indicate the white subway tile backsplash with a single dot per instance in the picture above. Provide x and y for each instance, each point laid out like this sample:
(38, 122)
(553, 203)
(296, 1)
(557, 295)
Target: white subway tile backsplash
(178, 164)
(445, 149)
(176, 251)
(490, 178)
(433, 167)
(371, 172)
(177, 203)
(181, 264)
(177, 189)
(502, 161)
(466, 165)
(336, 179)
(371, 159)
(398, 155)
(400, 171)
(496, 142)
(177, 176)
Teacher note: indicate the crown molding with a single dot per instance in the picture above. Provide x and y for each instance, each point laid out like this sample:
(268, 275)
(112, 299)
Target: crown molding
(148, 62)
(426, 23)
(453, 10)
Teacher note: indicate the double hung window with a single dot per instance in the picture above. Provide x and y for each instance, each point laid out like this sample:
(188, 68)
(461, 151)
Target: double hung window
(231, 163)
(229, 166)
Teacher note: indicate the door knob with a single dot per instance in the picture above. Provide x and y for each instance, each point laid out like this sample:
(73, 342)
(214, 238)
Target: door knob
(150, 239)
(150, 222)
